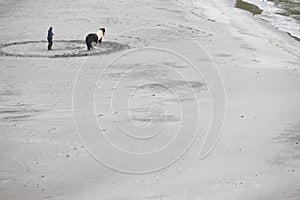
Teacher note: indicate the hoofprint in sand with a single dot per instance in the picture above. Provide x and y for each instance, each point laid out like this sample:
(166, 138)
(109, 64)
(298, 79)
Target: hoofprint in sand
(63, 49)
(42, 156)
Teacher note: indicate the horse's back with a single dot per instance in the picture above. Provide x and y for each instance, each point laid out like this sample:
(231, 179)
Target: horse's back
(92, 37)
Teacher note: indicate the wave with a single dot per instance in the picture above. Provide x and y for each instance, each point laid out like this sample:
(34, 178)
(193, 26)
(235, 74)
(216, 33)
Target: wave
(283, 14)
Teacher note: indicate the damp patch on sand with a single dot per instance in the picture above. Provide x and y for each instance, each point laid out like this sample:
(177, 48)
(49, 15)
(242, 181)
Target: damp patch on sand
(61, 49)
(290, 151)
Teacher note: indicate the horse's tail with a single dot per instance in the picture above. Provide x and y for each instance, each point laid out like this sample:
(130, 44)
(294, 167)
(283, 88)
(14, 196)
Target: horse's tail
(88, 46)
(88, 43)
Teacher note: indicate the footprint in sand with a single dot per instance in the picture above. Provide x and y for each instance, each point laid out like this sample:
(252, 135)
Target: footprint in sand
(61, 49)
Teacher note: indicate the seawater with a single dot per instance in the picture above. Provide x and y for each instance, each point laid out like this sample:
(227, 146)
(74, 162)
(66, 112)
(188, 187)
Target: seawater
(283, 14)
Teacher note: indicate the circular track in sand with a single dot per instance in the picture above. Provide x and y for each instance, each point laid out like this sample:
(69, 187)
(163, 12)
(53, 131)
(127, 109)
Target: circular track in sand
(61, 49)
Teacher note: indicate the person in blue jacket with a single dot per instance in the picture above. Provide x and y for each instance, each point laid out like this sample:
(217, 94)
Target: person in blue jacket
(50, 38)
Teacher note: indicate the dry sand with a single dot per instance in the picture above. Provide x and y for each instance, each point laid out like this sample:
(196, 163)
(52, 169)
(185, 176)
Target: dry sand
(42, 157)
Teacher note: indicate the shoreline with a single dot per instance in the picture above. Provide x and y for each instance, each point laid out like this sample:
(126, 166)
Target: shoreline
(258, 10)
(257, 156)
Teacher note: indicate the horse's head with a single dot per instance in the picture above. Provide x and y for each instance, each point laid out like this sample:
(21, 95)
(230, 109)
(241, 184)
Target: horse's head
(103, 30)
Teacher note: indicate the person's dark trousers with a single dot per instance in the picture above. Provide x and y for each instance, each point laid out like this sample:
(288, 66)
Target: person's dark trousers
(50, 44)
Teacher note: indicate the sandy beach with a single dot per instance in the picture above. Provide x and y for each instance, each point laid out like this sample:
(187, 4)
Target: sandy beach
(184, 100)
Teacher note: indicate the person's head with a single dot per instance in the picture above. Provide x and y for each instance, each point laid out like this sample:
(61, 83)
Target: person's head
(50, 29)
